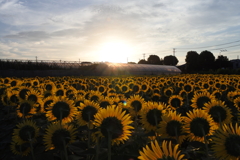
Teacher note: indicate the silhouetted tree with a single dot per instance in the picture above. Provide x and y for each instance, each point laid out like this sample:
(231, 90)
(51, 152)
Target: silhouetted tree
(192, 59)
(142, 61)
(206, 60)
(170, 60)
(153, 59)
(222, 62)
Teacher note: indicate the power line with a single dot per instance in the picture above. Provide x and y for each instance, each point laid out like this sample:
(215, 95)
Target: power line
(211, 46)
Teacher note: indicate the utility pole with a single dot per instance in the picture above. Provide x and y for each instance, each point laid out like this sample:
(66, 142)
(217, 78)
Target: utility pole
(36, 59)
(173, 51)
(144, 56)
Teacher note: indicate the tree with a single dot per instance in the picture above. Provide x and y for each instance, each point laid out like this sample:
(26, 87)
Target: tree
(206, 60)
(222, 62)
(153, 59)
(170, 60)
(142, 61)
(192, 59)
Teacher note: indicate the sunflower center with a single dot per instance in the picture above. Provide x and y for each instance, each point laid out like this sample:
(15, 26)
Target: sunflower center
(218, 113)
(101, 89)
(26, 133)
(48, 87)
(201, 101)
(136, 105)
(154, 116)
(175, 102)
(104, 104)
(32, 97)
(88, 113)
(173, 128)
(25, 108)
(232, 145)
(61, 110)
(144, 87)
(199, 127)
(60, 138)
(23, 93)
(168, 92)
(135, 88)
(14, 99)
(124, 88)
(113, 126)
(59, 92)
(187, 88)
(13, 83)
(94, 98)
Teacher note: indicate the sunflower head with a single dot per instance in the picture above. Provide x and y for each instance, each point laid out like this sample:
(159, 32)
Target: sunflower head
(61, 109)
(26, 131)
(199, 99)
(58, 136)
(113, 124)
(226, 142)
(26, 108)
(22, 149)
(199, 124)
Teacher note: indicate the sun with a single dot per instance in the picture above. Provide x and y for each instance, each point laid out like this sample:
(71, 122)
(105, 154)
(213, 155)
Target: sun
(115, 52)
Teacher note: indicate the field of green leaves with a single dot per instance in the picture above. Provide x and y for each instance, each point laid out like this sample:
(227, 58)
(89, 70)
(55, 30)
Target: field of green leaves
(194, 117)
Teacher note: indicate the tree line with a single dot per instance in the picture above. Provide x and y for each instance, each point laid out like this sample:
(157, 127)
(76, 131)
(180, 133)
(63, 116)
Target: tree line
(195, 62)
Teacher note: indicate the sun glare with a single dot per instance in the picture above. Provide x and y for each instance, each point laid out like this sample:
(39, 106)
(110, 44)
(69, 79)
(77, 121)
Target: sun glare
(116, 52)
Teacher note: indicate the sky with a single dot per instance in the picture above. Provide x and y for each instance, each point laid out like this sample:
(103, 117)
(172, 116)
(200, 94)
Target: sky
(117, 30)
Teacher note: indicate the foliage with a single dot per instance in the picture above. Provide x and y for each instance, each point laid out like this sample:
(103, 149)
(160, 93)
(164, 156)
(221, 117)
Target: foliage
(170, 60)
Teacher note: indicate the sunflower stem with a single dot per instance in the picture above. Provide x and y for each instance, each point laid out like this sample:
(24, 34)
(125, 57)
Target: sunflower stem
(31, 146)
(65, 149)
(97, 149)
(109, 145)
(177, 137)
(205, 141)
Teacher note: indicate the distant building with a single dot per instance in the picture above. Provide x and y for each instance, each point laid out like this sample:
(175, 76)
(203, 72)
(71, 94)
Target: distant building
(235, 63)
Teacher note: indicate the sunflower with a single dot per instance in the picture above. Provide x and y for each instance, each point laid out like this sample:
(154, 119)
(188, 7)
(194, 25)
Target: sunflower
(79, 99)
(218, 111)
(171, 126)
(237, 103)
(217, 94)
(22, 149)
(144, 86)
(46, 102)
(155, 97)
(95, 96)
(188, 87)
(58, 136)
(22, 91)
(198, 125)
(105, 101)
(61, 109)
(151, 115)
(13, 97)
(101, 88)
(49, 86)
(27, 131)
(136, 88)
(175, 101)
(26, 108)
(199, 99)
(166, 152)
(124, 88)
(113, 122)
(135, 103)
(168, 91)
(59, 92)
(226, 142)
(88, 109)
(34, 95)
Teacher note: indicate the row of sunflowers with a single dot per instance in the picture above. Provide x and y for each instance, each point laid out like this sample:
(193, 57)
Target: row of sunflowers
(121, 118)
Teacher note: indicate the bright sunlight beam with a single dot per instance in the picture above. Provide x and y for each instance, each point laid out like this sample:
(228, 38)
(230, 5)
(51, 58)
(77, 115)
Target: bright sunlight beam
(115, 51)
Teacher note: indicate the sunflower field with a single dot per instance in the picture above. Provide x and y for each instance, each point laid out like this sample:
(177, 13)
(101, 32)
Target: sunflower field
(194, 117)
